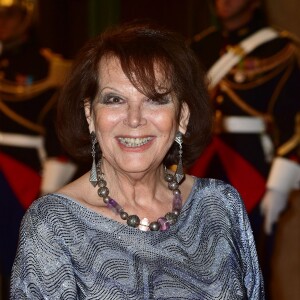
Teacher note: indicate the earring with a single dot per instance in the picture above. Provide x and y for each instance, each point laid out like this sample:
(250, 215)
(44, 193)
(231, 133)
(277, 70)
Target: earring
(93, 172)
(179, 174)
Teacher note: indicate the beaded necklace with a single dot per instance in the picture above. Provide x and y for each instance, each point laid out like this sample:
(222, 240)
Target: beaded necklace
(162, 223)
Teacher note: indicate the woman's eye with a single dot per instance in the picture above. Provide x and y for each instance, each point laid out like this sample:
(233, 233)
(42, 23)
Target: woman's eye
(161, 100)
(111, 99)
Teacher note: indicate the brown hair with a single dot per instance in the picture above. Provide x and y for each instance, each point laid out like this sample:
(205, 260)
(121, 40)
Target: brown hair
(138, 47)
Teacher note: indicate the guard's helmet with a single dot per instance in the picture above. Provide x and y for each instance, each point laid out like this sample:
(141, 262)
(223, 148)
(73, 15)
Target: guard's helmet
(16, 16)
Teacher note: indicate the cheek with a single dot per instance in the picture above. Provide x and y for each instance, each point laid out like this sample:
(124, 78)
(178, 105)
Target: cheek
(104, 126)
(105, 121)
(165, 121)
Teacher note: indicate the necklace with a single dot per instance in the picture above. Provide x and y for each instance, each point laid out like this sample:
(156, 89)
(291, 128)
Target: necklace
(162, 223)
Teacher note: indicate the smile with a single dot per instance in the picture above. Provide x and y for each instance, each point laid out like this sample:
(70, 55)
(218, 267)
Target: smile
(134, 142)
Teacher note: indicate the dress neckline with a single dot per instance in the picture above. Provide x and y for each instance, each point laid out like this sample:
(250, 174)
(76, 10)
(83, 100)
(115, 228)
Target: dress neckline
(95, 217)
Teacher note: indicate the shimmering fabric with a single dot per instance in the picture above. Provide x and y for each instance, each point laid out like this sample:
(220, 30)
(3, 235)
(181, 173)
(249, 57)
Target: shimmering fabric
(69, 252)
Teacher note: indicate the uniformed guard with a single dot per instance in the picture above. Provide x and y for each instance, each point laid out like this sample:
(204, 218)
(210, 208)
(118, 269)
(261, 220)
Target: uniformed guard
(31, 160)
(254, 80)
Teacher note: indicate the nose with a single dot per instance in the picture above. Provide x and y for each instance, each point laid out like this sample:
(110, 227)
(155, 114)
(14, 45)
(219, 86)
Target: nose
(135, 116)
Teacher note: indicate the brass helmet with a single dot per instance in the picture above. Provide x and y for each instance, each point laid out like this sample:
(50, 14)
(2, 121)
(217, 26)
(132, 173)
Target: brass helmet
(16, 16)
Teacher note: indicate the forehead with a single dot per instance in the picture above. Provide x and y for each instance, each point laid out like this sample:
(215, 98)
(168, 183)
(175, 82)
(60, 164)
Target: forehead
(110, 69)
(108, 66)
(111, 74)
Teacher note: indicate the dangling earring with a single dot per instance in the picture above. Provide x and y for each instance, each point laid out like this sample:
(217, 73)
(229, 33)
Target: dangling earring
(93, 172)
(179, 175)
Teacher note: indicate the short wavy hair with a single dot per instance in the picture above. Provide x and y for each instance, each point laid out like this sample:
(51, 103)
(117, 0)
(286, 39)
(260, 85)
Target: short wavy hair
(139, 47)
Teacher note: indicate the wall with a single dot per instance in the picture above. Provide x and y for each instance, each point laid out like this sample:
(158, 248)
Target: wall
(285, 13)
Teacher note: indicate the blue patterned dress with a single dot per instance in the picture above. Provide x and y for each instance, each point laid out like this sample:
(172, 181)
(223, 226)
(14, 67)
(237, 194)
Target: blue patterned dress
(67, 251)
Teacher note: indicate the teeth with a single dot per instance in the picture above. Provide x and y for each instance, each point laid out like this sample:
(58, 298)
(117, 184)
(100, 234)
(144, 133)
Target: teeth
(134, 142)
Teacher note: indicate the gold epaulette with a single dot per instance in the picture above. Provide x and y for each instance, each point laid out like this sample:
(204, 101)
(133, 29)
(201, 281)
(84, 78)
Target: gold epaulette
(58, 70)
(201, 35)
(289, 35)
(293, 142)
(59, 67)
(256, 71)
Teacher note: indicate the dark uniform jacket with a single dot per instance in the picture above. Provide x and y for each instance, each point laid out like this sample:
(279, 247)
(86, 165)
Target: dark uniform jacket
(264, 84)
(27, 108)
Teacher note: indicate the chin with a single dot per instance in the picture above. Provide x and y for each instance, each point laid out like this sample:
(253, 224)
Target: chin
(135, 166)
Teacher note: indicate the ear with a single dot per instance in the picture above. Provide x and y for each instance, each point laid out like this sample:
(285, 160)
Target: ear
(184, 118)
(88, 114)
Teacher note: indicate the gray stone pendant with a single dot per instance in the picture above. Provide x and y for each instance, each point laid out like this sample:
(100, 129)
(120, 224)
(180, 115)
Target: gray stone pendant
(93, 173)
(179, 174)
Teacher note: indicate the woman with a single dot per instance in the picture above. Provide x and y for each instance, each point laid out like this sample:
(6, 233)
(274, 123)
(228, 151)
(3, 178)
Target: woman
(136, 102)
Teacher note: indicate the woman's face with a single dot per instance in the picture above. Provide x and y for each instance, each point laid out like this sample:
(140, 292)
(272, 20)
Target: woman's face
(133, 131)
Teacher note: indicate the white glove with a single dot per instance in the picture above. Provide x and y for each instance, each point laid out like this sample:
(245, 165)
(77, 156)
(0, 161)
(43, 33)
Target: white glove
(283, 178)
(272, 205)
(56, 174)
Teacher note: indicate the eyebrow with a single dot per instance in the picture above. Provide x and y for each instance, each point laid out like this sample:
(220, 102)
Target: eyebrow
(108, 87)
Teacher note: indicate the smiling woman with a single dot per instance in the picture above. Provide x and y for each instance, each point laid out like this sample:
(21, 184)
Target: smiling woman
(135, 132)
(159, 67)
(136, 101)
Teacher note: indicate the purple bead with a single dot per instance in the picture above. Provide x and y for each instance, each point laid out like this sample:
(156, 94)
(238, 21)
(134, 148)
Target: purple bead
(120, 209)
(164, 224)
(113, 202)
(114, 206)
(177, 202)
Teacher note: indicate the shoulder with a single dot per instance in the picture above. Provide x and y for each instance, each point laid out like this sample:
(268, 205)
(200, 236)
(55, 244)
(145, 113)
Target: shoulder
(288, 35)
(215, 187)
(218, 207)
(217, 193)
(47, 203)
(57, 218)
(206, 33)
(208, 37)
(206, 45)
(49, 209)
(283, 41)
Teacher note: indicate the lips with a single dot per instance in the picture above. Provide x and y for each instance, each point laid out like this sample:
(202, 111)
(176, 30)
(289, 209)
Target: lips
(134, 142)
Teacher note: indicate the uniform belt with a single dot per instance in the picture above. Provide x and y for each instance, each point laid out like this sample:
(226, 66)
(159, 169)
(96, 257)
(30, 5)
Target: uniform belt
(246, 125)
(25, 141)
(237, 124)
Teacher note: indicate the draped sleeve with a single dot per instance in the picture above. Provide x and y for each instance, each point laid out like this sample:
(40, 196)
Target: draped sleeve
(42, 267)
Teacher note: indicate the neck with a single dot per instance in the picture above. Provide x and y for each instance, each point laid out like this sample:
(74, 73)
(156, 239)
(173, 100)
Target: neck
(149, 206)
(232, 25)
(137, 188)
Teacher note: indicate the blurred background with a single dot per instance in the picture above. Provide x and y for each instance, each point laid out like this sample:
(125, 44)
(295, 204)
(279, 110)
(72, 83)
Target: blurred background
(65, 25)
